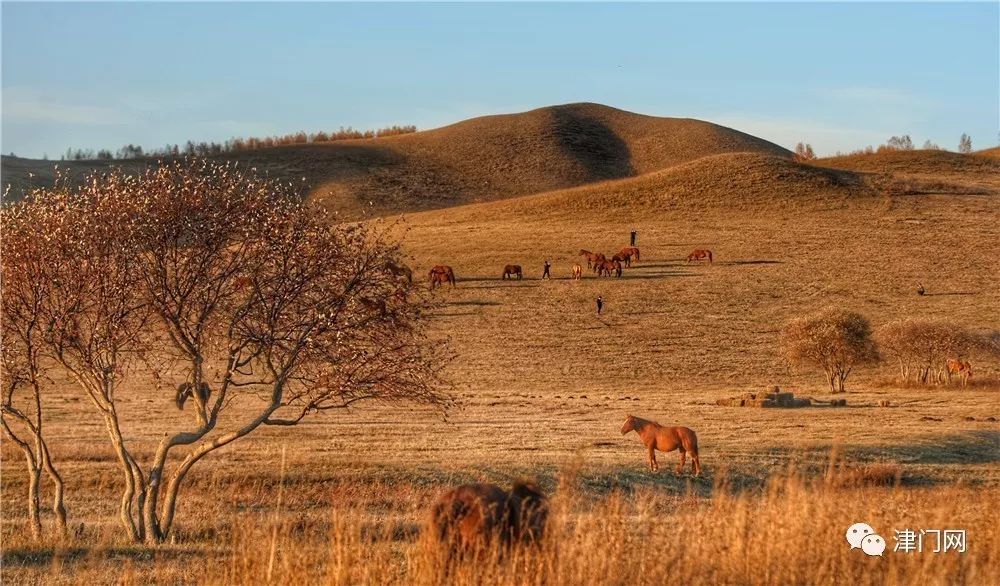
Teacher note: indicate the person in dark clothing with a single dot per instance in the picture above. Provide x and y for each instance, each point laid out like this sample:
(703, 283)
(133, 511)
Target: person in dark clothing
(545, 270)
(600, 304)
(632, 237)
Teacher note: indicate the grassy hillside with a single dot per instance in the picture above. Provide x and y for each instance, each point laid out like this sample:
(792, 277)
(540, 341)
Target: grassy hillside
(481, 159)
(979, 168)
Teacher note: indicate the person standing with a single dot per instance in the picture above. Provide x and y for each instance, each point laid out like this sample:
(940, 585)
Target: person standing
(632, 236)
(600, 304)
(545, 270)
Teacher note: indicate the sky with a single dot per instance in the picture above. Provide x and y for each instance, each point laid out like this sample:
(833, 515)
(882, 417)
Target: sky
(837, 75)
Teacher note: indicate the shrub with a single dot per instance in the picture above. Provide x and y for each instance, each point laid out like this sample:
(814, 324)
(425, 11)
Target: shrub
(835, 340)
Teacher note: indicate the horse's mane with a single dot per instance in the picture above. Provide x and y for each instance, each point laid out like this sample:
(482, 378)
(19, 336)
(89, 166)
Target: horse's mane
(640, 423)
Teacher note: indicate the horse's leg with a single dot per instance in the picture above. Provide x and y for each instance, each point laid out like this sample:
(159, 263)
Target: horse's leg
(653, 466)
(695, 463)
(680, 467)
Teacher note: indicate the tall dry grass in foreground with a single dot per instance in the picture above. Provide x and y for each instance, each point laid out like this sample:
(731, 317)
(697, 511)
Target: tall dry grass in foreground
(793, 533)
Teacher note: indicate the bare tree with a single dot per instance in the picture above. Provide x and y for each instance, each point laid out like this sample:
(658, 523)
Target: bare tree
(804, 152)
(24, 274)
(965, 144)
(834, 340)
(273, 312)
(922, 347)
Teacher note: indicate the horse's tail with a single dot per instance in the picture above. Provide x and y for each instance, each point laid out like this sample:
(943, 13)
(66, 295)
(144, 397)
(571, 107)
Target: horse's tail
(636, 254)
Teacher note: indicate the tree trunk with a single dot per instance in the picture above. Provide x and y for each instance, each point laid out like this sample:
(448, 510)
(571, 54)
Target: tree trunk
(34, 518)
(134, 484)
(58, 504)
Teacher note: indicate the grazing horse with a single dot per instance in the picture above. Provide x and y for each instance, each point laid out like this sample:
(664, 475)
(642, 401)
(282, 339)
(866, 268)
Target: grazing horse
(512, 271)
(666, 439)
(473, 517)
(700, 254)
(442, 274)
(631, 251)
(577, 272)
(625, 258)
(960, 367)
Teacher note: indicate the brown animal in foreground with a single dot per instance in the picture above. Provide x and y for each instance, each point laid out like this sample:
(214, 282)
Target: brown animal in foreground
(512, 271)
(442, 274)
(474, 517)
(577, 272)
(960, 367)
(666, 439)
(623, 258)
(631, 251)
(700, 254)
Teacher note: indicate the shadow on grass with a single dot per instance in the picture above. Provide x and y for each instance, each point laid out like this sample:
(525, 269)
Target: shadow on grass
(44, 556)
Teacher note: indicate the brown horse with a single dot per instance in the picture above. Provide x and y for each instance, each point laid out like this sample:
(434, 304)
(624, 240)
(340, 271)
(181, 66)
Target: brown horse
(592, 257)
(623, 258)
(700, 254)
(512, 271)
(442, 274)
(606, 267)
(473, 517)
(577, 272)
(631, 251)
(666, 439)
(963, 368)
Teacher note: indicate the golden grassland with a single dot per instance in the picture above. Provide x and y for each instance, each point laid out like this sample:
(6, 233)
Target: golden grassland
(542, 385)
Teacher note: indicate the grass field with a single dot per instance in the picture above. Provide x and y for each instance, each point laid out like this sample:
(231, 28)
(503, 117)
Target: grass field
(542, 385)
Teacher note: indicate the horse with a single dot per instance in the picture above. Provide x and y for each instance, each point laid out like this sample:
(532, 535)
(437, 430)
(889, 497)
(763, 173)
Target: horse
(606, 267)
(599, 258)
(700, 254)
(592, 257)
(630, 251)
(960, 367)
(442, 274)
(512, 271)
(625, 258)
(471, 518)
(666, 439)
(577, 272)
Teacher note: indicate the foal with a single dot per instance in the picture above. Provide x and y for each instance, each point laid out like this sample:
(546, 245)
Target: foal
(665, 439)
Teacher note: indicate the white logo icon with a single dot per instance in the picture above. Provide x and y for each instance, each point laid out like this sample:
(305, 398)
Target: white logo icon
(862, 536)
(873, 545)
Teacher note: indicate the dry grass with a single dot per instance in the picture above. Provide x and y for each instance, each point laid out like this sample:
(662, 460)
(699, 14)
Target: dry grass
(790, 531)
(542, 382)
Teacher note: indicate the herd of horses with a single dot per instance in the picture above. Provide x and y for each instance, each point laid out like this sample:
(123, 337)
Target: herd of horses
(473, 520)
(597, 262)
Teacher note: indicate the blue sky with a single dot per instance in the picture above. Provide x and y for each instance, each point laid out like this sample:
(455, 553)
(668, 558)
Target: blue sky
(837, 75)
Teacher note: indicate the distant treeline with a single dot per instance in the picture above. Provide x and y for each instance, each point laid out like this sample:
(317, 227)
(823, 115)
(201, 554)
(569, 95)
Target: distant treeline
(202, 149)
(905, 143)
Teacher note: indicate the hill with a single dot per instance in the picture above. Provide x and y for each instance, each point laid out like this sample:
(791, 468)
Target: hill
(481, 159)
(977, 168)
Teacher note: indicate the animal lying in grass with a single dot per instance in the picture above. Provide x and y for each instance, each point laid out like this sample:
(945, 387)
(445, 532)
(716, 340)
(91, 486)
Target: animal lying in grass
(473, 518)
(665, 439)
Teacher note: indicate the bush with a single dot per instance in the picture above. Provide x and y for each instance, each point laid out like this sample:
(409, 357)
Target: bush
(835, 340)
(922, 347)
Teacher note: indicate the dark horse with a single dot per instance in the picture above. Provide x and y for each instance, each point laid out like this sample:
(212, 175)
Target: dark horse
(442, 274)
(605, 267)
(666, 439)
(512, 271)
(699, 255)
(473, 517)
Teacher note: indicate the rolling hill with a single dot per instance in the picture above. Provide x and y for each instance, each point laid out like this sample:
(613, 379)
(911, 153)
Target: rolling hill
(481, 159)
